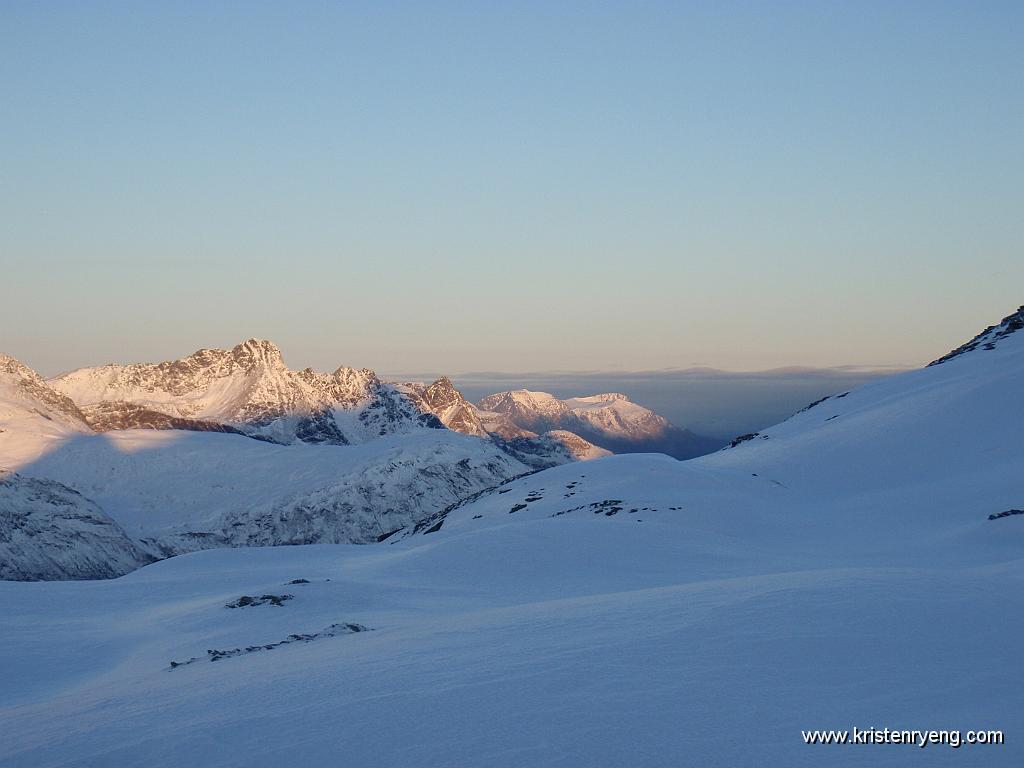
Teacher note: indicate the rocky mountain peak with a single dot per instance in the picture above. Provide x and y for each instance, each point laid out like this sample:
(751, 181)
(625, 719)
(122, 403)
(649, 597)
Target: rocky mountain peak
(15, 367)
(442, 392)
(255, 352)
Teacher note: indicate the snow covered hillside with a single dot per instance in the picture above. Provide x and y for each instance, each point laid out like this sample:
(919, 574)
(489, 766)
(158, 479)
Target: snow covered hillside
(50, 531)
(859, 565)
(610, 420)
(28, 406)
(177, 491)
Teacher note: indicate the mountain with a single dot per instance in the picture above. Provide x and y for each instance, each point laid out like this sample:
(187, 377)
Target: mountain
(446, 402)
(249, 389)
(857, 565)
(536, 411)
(50, 531)
(607, 420)
(28, 401)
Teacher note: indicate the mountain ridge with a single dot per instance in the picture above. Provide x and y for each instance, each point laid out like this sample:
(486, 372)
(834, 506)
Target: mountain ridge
(609, 420)
(249, 390)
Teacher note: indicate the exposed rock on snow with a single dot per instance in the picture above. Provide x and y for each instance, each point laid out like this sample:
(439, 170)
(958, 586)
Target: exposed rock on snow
(248, 601)
(989, 338)
(343, 628)
(1006, 513)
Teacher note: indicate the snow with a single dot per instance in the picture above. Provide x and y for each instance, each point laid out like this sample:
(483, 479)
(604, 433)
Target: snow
(838, 570)
(50, 531)
(605, 400)
(159, 484)
(524, 402)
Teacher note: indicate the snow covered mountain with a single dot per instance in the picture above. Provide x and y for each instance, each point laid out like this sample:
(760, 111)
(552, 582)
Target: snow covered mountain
(609, 420)
(250, 389)
(446, 402)
(28, 403)
(540, 450)
(858, 565)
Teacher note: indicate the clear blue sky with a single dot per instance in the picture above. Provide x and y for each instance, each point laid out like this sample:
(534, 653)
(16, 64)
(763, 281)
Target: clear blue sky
(528, 186)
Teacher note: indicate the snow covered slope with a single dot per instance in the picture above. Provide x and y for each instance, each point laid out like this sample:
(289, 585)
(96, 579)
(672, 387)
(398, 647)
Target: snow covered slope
(28, 406)
(610, 420)
(946, 435)
(551, 448)
(50, 531)
(176, 491)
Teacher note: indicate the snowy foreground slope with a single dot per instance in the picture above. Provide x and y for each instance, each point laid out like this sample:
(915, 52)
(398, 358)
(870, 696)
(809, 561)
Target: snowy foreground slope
(859, 565)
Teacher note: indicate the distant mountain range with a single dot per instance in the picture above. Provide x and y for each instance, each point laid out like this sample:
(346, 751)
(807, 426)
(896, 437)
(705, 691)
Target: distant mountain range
(249, 390)
(609, 420)
(231, 447)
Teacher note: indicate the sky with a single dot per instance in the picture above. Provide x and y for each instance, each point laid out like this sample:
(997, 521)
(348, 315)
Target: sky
(510, 187)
